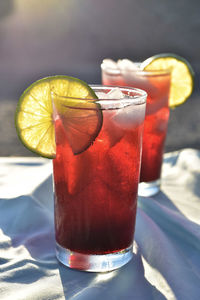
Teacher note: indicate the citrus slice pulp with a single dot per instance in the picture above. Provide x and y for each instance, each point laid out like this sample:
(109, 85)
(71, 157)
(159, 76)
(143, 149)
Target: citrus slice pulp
(182, 75)
(34, 114)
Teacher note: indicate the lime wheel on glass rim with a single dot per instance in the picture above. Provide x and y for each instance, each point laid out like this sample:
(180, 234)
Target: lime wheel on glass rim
(182, 75)
(34, 119)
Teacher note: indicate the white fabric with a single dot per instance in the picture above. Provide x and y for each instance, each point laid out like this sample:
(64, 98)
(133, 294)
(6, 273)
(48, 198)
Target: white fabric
(166, 262)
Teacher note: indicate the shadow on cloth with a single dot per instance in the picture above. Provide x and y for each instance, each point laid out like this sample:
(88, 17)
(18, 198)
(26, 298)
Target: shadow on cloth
(27, 223)
(169, 243)
(127, 282)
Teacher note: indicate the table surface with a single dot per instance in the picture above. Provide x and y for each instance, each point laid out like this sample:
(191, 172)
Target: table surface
(166, 261)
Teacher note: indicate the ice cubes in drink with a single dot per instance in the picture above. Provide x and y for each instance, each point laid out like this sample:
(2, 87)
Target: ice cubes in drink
(130, 74)
(120, 65)
(122, 112)
(127, 64)
(107, 103)
(114, 94)
(111, 65)
(129, 117)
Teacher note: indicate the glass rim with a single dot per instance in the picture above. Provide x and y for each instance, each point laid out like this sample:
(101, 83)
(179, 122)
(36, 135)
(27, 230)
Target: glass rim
(140, 94)
(117, 71)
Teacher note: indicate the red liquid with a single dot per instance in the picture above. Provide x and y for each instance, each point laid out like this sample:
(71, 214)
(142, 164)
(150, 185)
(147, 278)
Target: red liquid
(96, 191)
(156, 119)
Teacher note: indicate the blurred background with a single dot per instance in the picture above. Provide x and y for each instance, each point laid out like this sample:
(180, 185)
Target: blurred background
(46, 37)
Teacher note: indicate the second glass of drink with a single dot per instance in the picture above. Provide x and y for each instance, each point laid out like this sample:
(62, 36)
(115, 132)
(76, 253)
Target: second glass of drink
(157, 85)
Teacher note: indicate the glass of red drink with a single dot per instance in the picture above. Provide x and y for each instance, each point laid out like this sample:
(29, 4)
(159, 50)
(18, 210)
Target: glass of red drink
(157, 86)
(96, 187)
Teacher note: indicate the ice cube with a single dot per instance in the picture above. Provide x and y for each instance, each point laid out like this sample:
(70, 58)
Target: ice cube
(101, 95)
(105, 99)
(110, 65)
(115, 93)
(130, 116)
(131, 73)
(127, 64)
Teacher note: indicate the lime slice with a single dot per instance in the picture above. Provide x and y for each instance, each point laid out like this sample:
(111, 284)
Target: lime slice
(182, 75)
(34, 115)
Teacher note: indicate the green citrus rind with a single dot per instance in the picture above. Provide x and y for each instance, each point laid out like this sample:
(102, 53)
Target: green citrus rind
(182, 75)
(34, 113)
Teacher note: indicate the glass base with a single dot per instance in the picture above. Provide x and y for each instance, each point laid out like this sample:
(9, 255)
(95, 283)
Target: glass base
(93, 262)
(147, 189)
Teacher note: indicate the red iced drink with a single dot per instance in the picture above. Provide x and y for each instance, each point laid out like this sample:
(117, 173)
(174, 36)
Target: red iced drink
(96, 189)
(157, 86)
(155, 127)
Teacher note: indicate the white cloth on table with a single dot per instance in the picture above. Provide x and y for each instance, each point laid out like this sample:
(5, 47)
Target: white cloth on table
(166, 262)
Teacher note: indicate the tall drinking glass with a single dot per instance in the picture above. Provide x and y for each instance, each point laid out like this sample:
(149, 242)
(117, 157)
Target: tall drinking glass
(96, 189)
(157, 86)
